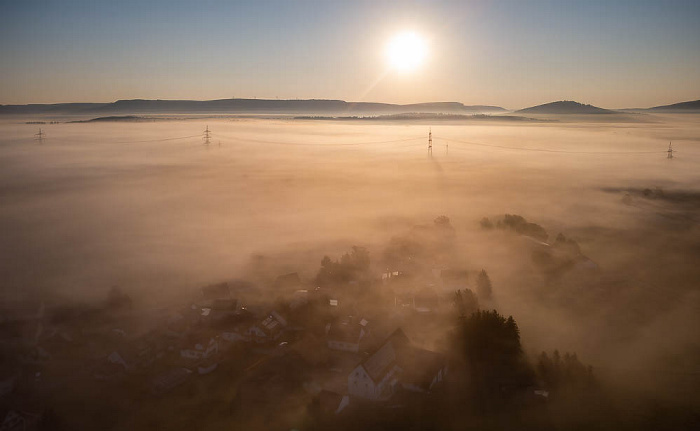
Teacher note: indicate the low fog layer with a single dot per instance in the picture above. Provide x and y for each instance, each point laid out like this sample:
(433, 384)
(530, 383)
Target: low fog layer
(98, 205)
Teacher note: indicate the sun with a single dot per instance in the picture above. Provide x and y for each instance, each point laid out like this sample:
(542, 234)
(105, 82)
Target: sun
(406, 51)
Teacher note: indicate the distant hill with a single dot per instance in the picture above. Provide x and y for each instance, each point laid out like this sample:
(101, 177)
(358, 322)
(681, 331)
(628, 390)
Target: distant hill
(414, 116)
(565, 107)
(116, 118)
(683, 106)
(245, 106)
(53, 108)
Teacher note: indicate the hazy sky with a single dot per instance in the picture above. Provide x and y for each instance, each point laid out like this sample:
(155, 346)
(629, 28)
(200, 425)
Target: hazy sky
(509, 53)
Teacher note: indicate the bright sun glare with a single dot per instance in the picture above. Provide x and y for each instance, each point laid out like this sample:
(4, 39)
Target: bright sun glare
(406, 51)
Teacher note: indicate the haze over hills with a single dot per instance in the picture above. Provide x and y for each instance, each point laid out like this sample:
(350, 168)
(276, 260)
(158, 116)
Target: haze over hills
(245, 106)
(693, 105)
(565, 107)
(322, 107)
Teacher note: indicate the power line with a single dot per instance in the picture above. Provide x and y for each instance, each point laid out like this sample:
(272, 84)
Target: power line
(545, 150)
(307, 144)
(208, 135)
(156, 140)
(134, 142)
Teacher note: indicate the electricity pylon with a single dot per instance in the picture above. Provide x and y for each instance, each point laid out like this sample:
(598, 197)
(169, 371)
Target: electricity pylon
(430, 142)
(207, 136)
(40, 136)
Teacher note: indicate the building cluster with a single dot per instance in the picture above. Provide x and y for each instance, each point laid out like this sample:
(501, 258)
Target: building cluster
(342, 353)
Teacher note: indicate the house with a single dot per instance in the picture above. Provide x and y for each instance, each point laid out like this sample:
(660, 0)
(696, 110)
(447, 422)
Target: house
(346, 334)
(8, 380)
(20, 420)
(388, 275)
(108, 371)
(169, 380)
(116, 358)
(395, 365)
(57, 341)
(376, 377)
(195, 348)
(236, 334)
(146, 350)
(207, 366)
(269, 329)
(421, 370)
(135, 356)
(113, 367)
(422, 300)
(398, 279)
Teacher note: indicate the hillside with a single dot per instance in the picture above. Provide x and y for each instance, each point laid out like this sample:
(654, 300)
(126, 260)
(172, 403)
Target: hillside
(683, 106)
(244, 106)
(565, 107)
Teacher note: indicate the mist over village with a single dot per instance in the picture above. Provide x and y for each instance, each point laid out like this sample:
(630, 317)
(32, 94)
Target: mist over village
(371, 215)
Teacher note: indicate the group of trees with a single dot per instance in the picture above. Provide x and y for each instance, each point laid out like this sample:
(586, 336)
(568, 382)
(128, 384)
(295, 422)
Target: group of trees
(490, 356)
(523, 227)
(567, 245)
(466, 302)
(564, 375)
(483, 285)
(352, 266)
(518, 224)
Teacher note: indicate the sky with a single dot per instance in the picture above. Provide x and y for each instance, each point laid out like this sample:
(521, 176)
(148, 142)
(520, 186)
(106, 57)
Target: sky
(614, 54)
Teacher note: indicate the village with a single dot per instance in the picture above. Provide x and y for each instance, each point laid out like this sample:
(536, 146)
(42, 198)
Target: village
(413, 342)
(345, 341)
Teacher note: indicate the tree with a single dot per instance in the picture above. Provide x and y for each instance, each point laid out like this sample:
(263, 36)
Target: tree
(465, 303)
(486, 223)
(483, 285)
(352, 266)
(491, 352)
(568, 245)
(443, 222)
(522, 226)
(565, 375)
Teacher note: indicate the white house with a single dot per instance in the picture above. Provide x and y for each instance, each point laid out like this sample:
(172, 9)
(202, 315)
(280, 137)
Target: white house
(376, 377)
(396, 364)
